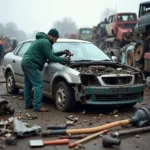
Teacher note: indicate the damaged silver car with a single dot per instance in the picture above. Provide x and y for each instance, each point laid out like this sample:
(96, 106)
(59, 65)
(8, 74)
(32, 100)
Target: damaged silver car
(91, 77)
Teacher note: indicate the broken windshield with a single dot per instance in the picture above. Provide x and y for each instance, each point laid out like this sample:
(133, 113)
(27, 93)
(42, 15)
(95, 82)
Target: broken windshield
(82, 51)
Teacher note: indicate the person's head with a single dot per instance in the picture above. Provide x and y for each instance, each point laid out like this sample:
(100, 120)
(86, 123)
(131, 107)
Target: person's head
(53, 35)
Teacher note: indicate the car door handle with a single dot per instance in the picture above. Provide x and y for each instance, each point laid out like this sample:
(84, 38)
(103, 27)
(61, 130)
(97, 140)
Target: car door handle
(13, 61)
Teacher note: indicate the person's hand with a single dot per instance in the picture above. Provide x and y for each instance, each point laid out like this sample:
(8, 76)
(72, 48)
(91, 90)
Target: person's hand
(67, 52)
(67, 59)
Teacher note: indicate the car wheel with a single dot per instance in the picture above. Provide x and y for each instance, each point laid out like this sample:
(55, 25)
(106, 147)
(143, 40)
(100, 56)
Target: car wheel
(64, 97)
(10, 84)
(140, 48)
(130, 58)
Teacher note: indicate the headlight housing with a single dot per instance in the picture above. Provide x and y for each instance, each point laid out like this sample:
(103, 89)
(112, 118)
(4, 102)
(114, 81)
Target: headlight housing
(89, 80)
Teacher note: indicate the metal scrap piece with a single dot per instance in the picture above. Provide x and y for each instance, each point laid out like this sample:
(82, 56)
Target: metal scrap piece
(21, 130)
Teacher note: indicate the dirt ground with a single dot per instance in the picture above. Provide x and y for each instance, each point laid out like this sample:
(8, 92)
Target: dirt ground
(87, 117)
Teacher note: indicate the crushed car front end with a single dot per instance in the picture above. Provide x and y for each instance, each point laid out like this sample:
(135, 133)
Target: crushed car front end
(109, 84)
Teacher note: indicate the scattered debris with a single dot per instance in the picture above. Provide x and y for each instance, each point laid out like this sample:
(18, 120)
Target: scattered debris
(90, 123)
(137, 136)
(21, 98)
(21, 130)
(108, 121)
(5, 108)
(70, 122)
(71, 118)
(84, 112)
(144, 103)
(116, 116)
(85, 120)
(100, 115)
(115, 112)
(2, 146)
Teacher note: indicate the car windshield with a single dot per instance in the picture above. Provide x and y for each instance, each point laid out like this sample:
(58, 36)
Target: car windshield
(82, 51)
(127, 17)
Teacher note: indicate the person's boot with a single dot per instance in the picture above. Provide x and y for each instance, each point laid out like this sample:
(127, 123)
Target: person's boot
(42, 109)
(28, 107)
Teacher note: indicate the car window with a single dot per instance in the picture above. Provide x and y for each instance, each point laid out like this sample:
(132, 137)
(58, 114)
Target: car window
(110, 20)
(23, 49)
(81, 51)
(17, 49)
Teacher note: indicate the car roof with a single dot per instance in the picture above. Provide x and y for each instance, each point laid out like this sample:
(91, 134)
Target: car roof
(121, 13)
(147, 2)
(62, 40)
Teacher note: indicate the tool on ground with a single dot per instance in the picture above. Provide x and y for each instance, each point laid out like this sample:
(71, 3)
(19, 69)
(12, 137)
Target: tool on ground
(130, 132)
(55, 127)
(87, 138)
(37, 143)
(73, 136)
(140, 119)
(20, 130)
(5, 108)
(108, 141)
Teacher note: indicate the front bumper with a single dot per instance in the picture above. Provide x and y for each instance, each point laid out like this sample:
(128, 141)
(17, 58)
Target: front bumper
(113, 95)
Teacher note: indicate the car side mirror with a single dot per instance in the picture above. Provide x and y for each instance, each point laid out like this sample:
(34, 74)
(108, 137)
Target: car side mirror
(114, 58)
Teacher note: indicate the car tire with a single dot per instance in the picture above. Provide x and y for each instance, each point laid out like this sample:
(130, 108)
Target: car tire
(64, 97)
(10, 84)
(140, 48)
(130, 58)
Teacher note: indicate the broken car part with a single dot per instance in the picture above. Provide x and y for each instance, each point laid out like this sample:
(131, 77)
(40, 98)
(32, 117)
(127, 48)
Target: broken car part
(108, 141)
(87, 138)
(37, 143)
(20, 130)
(140, 119)
(130, 132)
(12, 140)
(5, 108)
(55, 127)
(73, 136)
(63, 126)
(71, 118)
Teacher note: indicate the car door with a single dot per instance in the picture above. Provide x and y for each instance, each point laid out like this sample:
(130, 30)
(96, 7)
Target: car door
(17, 62)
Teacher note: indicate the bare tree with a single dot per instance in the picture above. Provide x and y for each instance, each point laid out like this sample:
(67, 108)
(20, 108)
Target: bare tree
(65, 26)
(107, 12)
(10, 29)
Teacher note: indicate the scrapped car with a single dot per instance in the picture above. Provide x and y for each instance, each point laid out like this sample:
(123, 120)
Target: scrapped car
(85, 34)
(91, 77)
(121, 23)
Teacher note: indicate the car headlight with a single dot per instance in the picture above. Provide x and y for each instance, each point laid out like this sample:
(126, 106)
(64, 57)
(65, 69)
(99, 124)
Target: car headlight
(138, 79)
(89, 80)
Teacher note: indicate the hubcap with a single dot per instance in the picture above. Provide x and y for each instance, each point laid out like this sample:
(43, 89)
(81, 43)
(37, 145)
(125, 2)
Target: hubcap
(138, 52)
(61, 97)
(129, 59)
(10, 83)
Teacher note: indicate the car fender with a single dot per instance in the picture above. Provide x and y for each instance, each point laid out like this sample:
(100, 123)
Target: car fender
(70, 78)
(8, 67)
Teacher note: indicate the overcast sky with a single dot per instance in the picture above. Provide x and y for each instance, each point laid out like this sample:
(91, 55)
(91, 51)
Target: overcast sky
(31, 15)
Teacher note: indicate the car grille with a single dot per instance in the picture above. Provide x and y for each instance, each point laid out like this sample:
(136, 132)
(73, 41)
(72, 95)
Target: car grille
(129, 26)
(118, 97)
(117, 80)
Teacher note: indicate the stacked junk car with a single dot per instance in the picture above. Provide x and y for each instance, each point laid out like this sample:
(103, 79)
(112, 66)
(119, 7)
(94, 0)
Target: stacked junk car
(128, 38)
